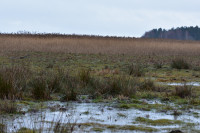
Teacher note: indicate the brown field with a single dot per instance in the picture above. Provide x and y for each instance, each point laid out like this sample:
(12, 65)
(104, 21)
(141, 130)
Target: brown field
(97, 45)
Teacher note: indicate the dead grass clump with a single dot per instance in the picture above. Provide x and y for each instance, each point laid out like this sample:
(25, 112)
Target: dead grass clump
(184, 91)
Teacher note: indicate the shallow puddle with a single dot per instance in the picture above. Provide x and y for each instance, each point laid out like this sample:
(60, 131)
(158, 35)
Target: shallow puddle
(182, 84)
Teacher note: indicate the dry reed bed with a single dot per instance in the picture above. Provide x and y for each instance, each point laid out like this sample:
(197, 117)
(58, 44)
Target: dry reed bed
(96, 45)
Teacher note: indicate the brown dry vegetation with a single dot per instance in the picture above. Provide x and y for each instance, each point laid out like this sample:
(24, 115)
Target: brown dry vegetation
(96, 45)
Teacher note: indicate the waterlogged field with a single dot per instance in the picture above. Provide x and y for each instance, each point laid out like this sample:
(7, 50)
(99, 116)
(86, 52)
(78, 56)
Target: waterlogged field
(102, 117)
(95, 84)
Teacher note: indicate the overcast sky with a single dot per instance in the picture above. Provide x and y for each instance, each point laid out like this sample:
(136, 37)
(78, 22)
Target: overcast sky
(99, 17)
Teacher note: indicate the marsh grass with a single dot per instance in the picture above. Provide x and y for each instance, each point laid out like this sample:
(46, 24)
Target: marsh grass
(96, 45)
(109, 57)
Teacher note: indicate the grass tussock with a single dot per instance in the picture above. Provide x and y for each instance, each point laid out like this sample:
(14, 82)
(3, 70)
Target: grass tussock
(7, 106)
(40, 90)
(158, 65)
(184, 91)
(13, 81)
(6, 88)
(180, 63)
(84, 76)
(113, 87)
(71, 87)
(70, 95)
(136, 70)
(2, 128)
(148, 85)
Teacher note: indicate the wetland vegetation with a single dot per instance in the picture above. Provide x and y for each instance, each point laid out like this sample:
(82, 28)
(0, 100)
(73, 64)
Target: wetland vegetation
(98, 84)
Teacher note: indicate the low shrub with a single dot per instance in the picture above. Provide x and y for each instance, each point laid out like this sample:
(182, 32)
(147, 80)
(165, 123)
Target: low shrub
(179, 63)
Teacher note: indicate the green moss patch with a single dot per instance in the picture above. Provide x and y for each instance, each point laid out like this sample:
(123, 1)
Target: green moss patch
(158, 122)
(101, 127)
(139, 128)
(26, 130)
(98, 129)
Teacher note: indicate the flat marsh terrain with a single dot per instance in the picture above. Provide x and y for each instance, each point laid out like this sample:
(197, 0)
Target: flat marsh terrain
(71, 83)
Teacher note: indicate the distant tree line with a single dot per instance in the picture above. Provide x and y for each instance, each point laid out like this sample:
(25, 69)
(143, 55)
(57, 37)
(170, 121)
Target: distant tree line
(46, 35)
(180, 33)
